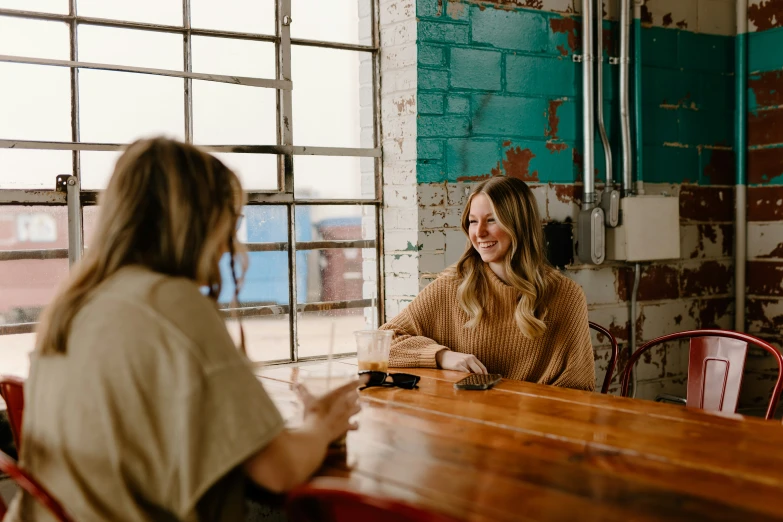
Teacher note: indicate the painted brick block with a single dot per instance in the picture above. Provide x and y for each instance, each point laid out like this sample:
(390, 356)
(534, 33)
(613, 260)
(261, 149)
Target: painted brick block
(765, 166)
(456, 104)
(700, 279)
(430, 103)
(615, 319)
(671, 164)
(443, 126)
(705, 52)
(718, 17)
(717, 167)
(433, 79)
(764, 315)
(432, 262)
(432, 240)
(431, 55)
(765, 277)
(599, 284)
(673, 14)
(475, 69)
(439, 32)
(663, 318)
(400, 241)
(471, 158)
(706, 241)
(400, 285)
(506, 116)
(713, 204)
(765, 90)
(765, 127)
(431, 194)
(430, 149)
(659, 47)
(430, 171)
(449, 9)
(715, 92)
(564, 120)
(439, 218)
(562, 201)
(402, 263)
(706, 127)
(669, 86)
(458, 193)
(540, 75)
(765, 240)
(399, 196)
(659, 125)
(399, 172)
(520, 30)
(763, 50)
(717, 312)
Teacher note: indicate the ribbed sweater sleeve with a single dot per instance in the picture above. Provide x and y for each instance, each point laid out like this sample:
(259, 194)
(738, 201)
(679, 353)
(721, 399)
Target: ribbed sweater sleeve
(410, 345)
(579, 372)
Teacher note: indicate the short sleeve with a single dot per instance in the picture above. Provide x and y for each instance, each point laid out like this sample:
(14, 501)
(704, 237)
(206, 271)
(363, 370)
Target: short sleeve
(225, 421)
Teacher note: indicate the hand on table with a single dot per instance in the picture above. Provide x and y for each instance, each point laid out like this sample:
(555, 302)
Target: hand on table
(461, 362)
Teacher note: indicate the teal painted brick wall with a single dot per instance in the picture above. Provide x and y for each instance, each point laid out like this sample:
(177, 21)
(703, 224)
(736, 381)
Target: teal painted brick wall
(765, 105)
(499, 93)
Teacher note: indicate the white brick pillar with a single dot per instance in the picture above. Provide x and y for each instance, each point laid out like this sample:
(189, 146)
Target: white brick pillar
(398, 120)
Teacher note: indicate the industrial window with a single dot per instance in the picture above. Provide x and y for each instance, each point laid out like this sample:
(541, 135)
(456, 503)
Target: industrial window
(285, 92)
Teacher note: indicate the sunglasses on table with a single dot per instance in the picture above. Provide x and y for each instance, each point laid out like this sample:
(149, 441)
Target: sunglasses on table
(390, 380)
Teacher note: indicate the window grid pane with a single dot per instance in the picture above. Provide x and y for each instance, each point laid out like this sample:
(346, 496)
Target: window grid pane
(105, 120)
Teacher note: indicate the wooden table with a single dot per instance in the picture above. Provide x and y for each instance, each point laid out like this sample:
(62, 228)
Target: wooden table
(524, 451)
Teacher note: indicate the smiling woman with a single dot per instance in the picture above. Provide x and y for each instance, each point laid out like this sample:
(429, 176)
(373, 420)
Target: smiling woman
(501, 308)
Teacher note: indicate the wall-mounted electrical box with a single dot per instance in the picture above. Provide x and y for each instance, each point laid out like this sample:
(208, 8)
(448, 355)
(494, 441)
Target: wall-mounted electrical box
(649, 229)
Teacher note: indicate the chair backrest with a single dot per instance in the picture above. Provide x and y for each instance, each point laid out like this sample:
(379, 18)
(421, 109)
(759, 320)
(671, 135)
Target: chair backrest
(12, 391)
(28, 484)
(715, 365)
(332, 500)
(612, 360)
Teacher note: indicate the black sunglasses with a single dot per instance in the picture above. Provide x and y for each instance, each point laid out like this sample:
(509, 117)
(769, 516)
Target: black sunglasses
(399, 380)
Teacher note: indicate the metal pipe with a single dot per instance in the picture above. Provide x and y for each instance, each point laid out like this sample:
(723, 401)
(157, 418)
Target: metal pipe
(637, 93)
(588, 116)
(632, 345)
(625, 120)
(599, 79)
(740, 152)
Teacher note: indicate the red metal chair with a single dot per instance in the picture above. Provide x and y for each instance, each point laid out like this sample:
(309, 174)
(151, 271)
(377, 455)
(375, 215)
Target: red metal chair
(612, 360)
(12, 391)
(332, 500)
(28, 484)
(715, 365)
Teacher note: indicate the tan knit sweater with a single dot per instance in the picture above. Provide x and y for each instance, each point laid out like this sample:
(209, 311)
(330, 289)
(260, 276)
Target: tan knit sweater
(563, 356)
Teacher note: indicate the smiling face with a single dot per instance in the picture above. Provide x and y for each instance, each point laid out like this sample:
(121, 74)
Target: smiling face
(485, 233)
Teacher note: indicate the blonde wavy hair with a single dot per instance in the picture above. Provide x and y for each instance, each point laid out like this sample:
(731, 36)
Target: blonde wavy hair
(170, 207)
(527, 270)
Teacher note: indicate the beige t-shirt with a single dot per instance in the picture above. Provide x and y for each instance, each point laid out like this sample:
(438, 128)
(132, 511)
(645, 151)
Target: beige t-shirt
(150, 411)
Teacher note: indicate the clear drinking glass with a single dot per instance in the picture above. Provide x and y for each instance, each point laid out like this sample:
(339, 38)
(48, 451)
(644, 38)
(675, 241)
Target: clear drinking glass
(372, 350)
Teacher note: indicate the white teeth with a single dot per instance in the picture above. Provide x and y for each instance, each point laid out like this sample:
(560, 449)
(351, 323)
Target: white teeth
(487, 245)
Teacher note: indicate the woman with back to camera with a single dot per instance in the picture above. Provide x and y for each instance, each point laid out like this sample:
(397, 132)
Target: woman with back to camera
(138, 404)
(501, 308)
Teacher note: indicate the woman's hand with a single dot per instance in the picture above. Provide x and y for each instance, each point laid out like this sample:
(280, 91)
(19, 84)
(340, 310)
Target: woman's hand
(332, 412)
(461, 362)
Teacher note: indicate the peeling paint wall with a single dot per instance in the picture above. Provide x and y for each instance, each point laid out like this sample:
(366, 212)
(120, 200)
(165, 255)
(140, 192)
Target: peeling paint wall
(499, 94)
(765, 193)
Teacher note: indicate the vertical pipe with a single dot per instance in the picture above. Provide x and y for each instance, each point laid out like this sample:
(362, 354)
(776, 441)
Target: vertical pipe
(588, 116)
(637, 94)
(625, 120)
(740, 152)
(599, 79)
(73, 187)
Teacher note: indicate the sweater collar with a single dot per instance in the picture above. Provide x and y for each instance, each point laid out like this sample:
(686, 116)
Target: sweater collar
(494, 281)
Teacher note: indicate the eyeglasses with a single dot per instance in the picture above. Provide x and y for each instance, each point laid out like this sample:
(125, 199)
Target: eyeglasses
(400, 380)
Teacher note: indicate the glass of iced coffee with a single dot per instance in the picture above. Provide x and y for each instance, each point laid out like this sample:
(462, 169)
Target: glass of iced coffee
(372, 350)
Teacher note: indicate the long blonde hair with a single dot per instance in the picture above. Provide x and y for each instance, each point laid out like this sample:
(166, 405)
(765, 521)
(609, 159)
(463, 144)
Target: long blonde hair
(527, 269)
(170, 207)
